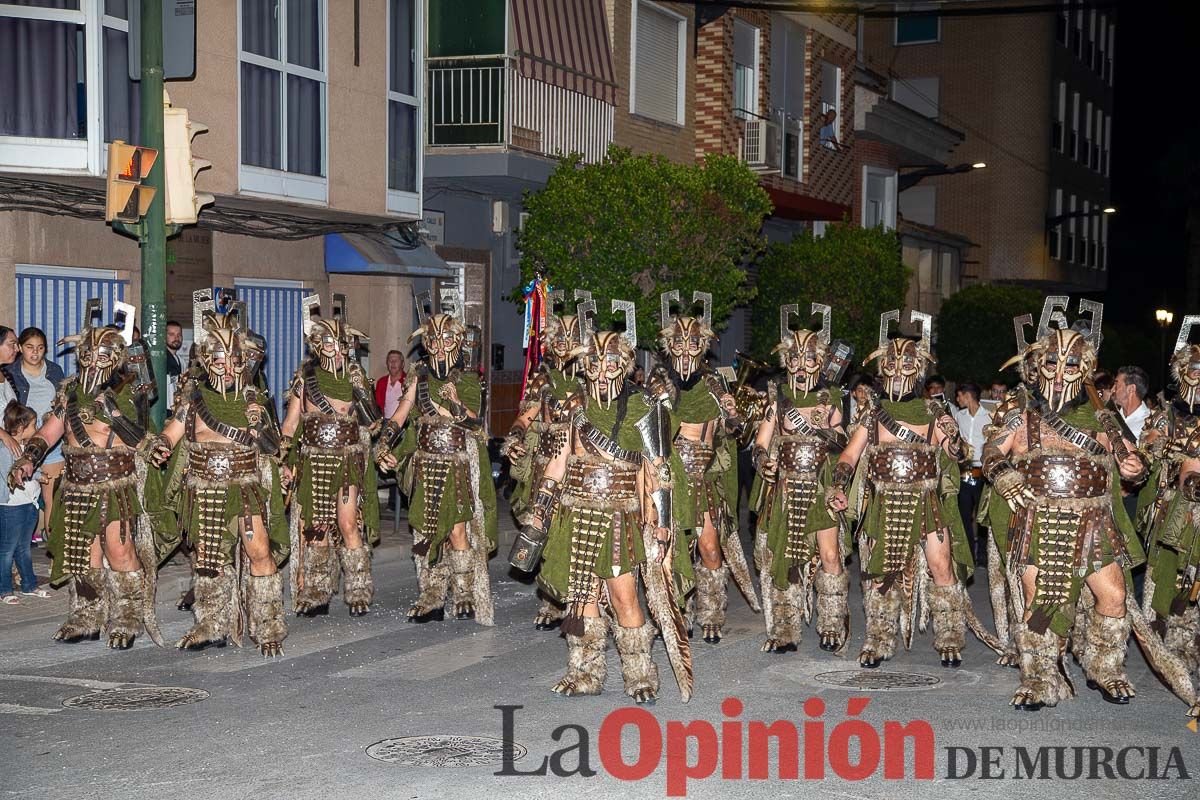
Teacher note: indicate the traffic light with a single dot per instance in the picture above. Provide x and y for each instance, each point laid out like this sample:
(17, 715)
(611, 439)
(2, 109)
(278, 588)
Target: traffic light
(126, 199)
(183, 203)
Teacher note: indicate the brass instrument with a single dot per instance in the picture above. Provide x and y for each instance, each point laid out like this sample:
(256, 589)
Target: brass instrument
(751, 403)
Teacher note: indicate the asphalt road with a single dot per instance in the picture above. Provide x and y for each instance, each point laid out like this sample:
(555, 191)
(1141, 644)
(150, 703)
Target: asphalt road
(317, 721)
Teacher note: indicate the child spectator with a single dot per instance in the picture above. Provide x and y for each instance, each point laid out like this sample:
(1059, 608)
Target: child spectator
(18, 511)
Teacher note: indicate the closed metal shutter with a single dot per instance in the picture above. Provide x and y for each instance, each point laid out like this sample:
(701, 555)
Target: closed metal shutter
(656, 91)
(54, 299)
(275, 313)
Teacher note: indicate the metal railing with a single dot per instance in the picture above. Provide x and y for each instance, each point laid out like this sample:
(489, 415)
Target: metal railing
(486, 101)
(760, 141)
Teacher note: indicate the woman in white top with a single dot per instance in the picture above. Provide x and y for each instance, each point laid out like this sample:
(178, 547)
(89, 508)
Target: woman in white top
(35, 382)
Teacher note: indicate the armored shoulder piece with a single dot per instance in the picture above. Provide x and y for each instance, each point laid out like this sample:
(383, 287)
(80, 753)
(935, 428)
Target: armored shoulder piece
(659, 384)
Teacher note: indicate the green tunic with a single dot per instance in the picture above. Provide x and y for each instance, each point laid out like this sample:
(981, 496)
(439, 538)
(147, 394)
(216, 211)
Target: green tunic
(103, 507)
(796, 548)
(719, 485)
(456, 502)
(613, 535)
(357, 472)
(935, 510)
(267, 503)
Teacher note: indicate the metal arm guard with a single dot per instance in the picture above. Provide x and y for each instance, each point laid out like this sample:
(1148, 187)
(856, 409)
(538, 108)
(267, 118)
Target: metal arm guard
(757, 456)
(389, 437)
(655, 429)
(843, 474)
(266, 430)
(995, 463)
(459, 412)
(1191, 487)
(127, 430)
(528, 546)
(365, 408)
(35, 450)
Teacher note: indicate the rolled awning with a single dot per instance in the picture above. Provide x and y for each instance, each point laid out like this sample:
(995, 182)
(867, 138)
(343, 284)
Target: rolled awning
(354, 254)
(565, 43)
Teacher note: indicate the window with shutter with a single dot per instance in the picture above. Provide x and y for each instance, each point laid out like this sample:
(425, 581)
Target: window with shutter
(658, 77)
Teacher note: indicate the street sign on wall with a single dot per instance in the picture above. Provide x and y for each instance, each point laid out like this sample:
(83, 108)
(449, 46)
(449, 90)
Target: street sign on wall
(179, 39)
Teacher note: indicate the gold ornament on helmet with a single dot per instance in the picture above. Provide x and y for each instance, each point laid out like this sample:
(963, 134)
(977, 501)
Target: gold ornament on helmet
(685, 339)
(803, 353)
(607, 357)
(331, 341)
(562, 334)
(903, 361)
(442, 334)
(100, 351)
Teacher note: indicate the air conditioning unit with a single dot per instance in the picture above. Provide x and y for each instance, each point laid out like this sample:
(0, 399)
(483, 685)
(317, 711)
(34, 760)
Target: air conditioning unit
(761, 143)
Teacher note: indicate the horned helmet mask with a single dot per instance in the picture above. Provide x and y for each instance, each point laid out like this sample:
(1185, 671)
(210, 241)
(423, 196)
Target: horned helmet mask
(685, 339)
(803, 353)
(1062, 359)
(100, 351)
(562, 333)
(1185, 363)
(331, 341)
(903, 361)
(607, 357)
(221, 352)
(442, 335)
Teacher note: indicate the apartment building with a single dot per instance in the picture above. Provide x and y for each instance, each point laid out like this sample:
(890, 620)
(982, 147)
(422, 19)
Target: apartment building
(1033, 92)
(314, 115)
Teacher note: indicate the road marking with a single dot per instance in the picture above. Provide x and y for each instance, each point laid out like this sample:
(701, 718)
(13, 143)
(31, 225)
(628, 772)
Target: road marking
(86, 683)
(12, 708)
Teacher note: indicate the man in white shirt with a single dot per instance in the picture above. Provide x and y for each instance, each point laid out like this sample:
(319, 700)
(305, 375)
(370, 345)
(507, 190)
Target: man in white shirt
(971, 418)
(1129, 395)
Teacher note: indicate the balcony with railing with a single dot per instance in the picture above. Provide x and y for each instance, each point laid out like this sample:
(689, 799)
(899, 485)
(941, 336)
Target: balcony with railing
(485, 102)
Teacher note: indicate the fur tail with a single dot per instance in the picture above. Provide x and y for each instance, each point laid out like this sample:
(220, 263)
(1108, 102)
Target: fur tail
(1162, 661)
(731, 548)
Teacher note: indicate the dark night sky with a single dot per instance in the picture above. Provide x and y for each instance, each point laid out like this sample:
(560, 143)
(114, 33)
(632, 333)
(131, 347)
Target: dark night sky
(1152, 69)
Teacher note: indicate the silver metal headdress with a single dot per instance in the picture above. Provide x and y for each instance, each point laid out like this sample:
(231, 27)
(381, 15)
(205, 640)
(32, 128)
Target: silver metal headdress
(826, 332)
(786, 312)
(630, 310)
(1185, 331)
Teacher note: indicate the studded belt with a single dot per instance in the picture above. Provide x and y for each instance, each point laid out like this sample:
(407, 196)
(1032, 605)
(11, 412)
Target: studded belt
(801, 456)
(99, 466)
(221, 462)
(610, 481)
(324, 431)
(902, 464)
(440, 438)
(1066, 477)
(696, 456)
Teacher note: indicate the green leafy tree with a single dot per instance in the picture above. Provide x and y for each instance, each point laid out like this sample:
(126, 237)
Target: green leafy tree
(856, 271)
(975, 331)
(633, 226)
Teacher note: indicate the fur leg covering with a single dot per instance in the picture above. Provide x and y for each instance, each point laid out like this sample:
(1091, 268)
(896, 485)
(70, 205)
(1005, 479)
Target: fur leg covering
(1107, 640)
(712, 598)
(264, 599)
(549, 615)
(1183, 637)
(1043, 679)
(833, 612)
(124, 595)
(637, 668)
(86, 608)
(320, 581)
(947, 605)
(434, 582)
(883, 623)
(462, 570)
(213, 611)
(586, 667)
(359, 587)
(784, 631)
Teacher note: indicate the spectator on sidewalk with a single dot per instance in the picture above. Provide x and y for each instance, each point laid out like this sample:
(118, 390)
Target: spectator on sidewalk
(18, 511)
(8, 354)
(1129, 396)
(35, 382)
(390, 387)
(971, 418)
(1103, 381)
(175, 363)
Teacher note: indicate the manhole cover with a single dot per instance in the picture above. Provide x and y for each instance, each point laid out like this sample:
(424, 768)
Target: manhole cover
(872, 681)
(443, 751)
(136, 699)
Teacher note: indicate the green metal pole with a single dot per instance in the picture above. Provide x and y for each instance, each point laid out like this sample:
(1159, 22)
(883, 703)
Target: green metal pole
(154, 235)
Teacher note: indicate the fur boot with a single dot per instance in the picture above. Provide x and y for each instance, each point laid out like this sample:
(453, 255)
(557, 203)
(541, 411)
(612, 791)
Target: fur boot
(550, 615)
(312, 600)
(213, 610)
(1107, 639)
(712, 598)
(430, 605)
(785, 632)
(264, 599)
(946, 604)
(86, 609)
(883, 622)
(1043, 682)
(462, 569)
(1183, 637)
(833, 613)
(637, 668)
(124, 594)
(359, 587)
(586, 667)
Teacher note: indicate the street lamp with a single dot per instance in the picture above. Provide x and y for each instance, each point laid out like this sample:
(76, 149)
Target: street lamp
(1057, 219)
(911, 179)
(1164, 319)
